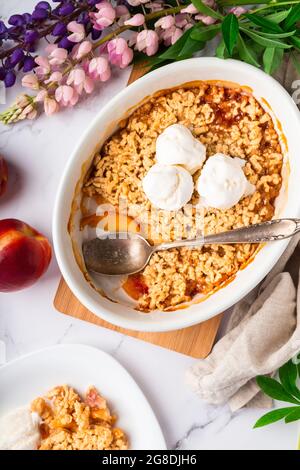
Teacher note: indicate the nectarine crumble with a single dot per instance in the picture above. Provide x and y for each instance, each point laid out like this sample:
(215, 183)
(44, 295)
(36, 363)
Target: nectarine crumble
(69, 422)
(227, 121)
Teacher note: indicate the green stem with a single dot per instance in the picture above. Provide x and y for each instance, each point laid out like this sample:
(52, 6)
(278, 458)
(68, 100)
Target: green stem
(277, 4)
(270, 4)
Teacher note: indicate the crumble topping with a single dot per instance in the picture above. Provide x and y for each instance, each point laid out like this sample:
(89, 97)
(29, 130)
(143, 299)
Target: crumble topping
(69, 422)
(225, 120)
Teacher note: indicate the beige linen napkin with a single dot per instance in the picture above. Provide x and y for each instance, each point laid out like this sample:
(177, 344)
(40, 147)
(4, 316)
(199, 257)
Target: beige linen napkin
(263, 333)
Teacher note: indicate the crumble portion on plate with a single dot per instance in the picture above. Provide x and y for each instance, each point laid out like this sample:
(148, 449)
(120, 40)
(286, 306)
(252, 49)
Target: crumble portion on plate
(226, 120)
(72, 423)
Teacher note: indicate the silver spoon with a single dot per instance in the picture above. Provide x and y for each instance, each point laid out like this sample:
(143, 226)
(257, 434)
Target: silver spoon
(128, 253)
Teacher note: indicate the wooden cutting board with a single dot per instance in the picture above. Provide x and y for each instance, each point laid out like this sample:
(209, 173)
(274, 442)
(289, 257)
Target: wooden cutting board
(195, 341)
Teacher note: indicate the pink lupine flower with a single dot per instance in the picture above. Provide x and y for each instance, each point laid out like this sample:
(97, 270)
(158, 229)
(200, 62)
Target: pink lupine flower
(80, 81)
(210, 3)
(51, 106)
(205, 19)
(54, 77)
(40, 97)
(165, 22)
(188, 26)
(50, 48)
(132, 38)
(155, 6)
(147, 41)
(191, 9)
(30, 81)
(177, 33)
(136, 20)
(135, 3)
(29, 112)
(43, 66)
(121, 10)
(238, 11)
(171, 35)
(119, 53)
(82, 49)
(66, 95)
(99, 69)
(104, 17)
(122, 13)
(58, 56)
(77, 30)
(181, 20)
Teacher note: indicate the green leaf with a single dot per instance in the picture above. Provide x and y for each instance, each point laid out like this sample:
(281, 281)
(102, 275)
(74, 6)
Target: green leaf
(288, 377)
(263, 22)
(272, 59)
(230, 31)
(273, 416)
(190, 47)
(295, 41)
(278, 16)
(294, 416)
(172, 52)
(265, 41)
(275, 390)
(229, 3)
(205, 33)
(207, 10)
(293, 17)
(277, 35)
(246, 53)
(221, 50)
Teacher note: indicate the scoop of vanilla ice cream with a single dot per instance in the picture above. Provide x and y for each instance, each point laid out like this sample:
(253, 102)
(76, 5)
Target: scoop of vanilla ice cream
(19, 430)
(168, 187)
(222, 182)
(176, 145)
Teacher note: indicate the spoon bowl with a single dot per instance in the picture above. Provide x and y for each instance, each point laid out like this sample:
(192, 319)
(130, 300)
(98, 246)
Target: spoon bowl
(119, 253)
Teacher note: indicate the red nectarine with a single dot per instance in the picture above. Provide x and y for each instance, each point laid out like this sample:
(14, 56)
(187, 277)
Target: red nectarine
(3, 175)
(25, 255)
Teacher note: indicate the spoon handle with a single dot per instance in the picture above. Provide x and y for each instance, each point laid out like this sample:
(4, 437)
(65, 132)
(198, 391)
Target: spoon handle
(272, 230)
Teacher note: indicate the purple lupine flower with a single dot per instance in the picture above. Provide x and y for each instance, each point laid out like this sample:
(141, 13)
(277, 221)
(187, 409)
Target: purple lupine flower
(10, 79)
(95, 33)
(3, 28)
(16, 20)
(7, 63)
(31, 47)
(31, 36)
(43, 5)
(2, 73)
(66, 9)
(59, 29)
(84, 18)
(27, 18)
(40, 14)
(65, 43)
(29, 64)
(16, 57)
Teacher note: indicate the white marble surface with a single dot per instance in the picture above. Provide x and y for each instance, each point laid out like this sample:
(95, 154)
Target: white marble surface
(37, 153)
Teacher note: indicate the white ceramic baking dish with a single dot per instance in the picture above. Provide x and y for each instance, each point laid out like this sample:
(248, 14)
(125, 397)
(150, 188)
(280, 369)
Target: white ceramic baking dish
(271, 94)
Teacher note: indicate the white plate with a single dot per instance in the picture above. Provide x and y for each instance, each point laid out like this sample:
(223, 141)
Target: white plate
(80, 366)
